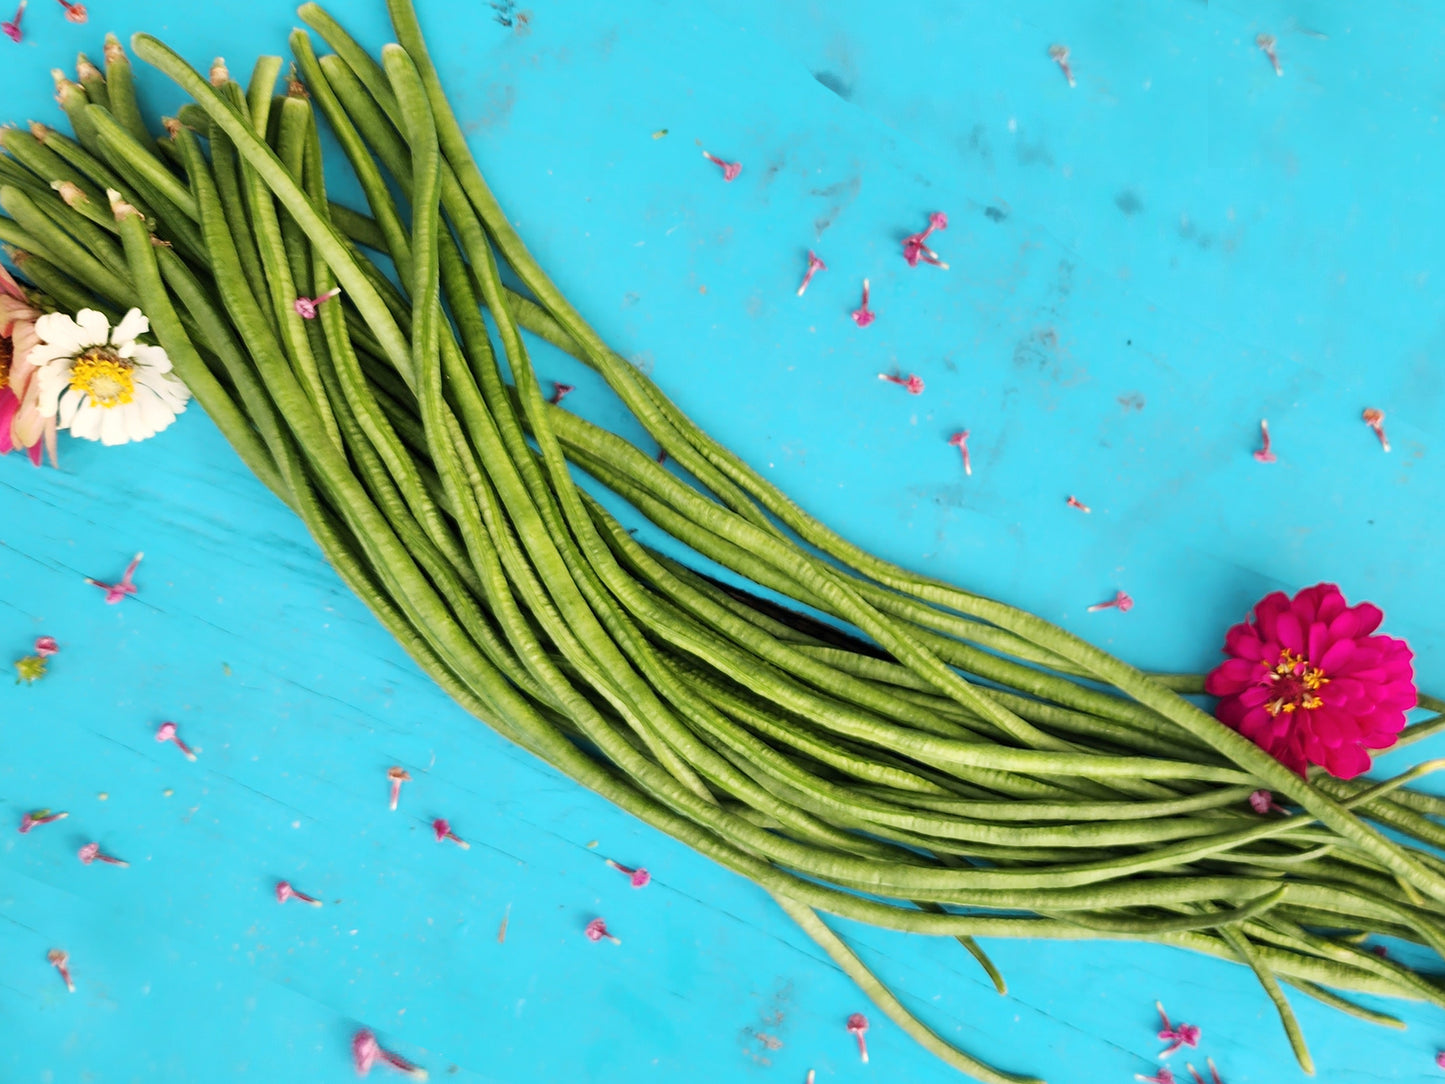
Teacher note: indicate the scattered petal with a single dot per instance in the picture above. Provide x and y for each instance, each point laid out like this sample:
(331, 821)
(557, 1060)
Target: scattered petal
(814, 266)
(1266, 45)
(1264, 455)
(915, 250)
(60, 960)
(114, 592)
(75, 13)
(960, 441)
(863, 315)
(913, 383)
(37, 817)
(1176, 1037)
(730, 170)
(167, 732)
(858, 1026)
(1375, 419)
(366, 1052)
(597, 930)
(560, 391)
(285, 892)
(306, 306)
(91, 852)
(1074, 502)
(11, 27)
(398, 775)
(443, 831)
(640, 877)
(1059, 54)
(1121, 601)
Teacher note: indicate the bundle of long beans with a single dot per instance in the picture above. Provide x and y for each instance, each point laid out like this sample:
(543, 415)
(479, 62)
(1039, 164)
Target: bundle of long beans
(956, 767)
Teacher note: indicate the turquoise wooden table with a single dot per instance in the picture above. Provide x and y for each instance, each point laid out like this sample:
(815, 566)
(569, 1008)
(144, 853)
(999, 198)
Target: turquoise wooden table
(1144, 265)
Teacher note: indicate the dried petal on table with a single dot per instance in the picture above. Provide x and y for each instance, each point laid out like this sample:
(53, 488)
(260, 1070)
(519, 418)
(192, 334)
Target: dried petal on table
(114, 592)
(1122, 602)
(1059, 54)
(640, 877)
(1375, 419)
(38, 817)
(730, 170)
(443, 831)
(166, 732)
(913, 382)
(398, 775)
(597, 929)
(863, 315)
(1176, 1037)
(60, 960)
(858, 1027)
(1264, 455)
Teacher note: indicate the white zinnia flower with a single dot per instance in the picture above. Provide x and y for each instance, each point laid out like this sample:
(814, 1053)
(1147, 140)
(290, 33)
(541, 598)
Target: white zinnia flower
(105, 385)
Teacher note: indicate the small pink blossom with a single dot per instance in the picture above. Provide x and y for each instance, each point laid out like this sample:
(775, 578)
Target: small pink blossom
(639, 876)
(60, 960)
(306, 306)
(1266, 45)
(863, 315)
(1310, 682)
(1164, 1076)
(398, 775)
(1059, 54)
(858, 1026)
(1122, 602)
(1264, 455)
(366, 1053)
(730, 170)
(1183, 1035)
(167, 732)
(75, 13)
(91, 852)
(11, 27)
(913, 383)
(114, 592)
(597, 929)
(285, 892)
(814, 266)
(914, 249)
(45, 646)
(1262, 802)
(560, 391)
(443, 831)
(1375, 419)
(36, 818)
(1074, 502)
(959, 440)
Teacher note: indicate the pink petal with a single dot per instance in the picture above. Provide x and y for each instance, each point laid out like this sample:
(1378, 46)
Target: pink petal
(1347, 762)
(1335, 660)
(1231, 676)
(1244, 643)
(1290, 632)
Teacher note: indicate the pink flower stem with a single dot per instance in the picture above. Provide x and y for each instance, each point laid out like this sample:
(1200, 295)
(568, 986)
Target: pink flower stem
(730, 170)
(285, 892)
(91, 852)
(1074, 502)
(814, 266)
(1183, 1035)
(1120, 600)
(39, 817)
(862, 315)
(960, 441)
(306, 306)
(1266, 45)
(60, 960)
(398, 775)
(75, 13)
(1264, 455)
(443, 831)
(114, 592)
(914, 383)
(560, 391)
(1060, 56)
(640, 877)
(1375, 419)
(858, 1025)
(167, 732)
(11, 29)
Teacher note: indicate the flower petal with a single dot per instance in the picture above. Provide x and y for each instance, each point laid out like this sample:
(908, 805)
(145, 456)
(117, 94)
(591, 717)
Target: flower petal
(86, 424)
(131, 325)
(1290, 632)
(1243, 642)
(58, 330)
(94, 328)
(69, 404)
(112, 426)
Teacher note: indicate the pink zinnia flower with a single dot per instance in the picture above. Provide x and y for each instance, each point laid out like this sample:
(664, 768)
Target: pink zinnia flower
(21, 425)
(1308, 682)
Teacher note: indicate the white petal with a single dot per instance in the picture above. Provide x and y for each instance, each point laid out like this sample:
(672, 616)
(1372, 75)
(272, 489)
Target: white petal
(112, 426)
(86, 424)
(150, 357)
(137, 425)
(49, 383)
(69, 404)
(57, 329)
(154, 413)
(131, 324)
(42, 354)
(94, 328)
(171, 391)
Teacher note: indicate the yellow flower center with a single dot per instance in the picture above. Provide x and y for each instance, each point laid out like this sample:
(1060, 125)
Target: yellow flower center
(1295, 684)
(7, 355)
(106, 377)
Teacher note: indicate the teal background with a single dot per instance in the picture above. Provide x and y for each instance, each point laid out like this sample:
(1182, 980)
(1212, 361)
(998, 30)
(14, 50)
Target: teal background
(1142, 268)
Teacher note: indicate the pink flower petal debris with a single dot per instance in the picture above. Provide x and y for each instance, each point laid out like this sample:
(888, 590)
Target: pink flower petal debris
(858, 1027)
(166, 732)
(1309, 681)
(45, 646)
(1375, 419)
(91, 852)
(1266, 43)
(597, 929)
(398, 775)
(1121, 602)
(114, 592)
(75, 13)
(915, 250)
(730, 170)
(814, 266)
(1177, 1037)
(640, 877)
(285, 892)
(959, 440)
(1059, 54)
(11, 27)
(367, 1053)
(60, 960)
(1264, 455)
(306, 307)
(36, 818)
(1164, 1076)
(863, 315)
(443, 831)
(913, 382)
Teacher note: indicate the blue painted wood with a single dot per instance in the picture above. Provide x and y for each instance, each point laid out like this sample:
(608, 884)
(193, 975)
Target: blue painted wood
(1143, 267)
